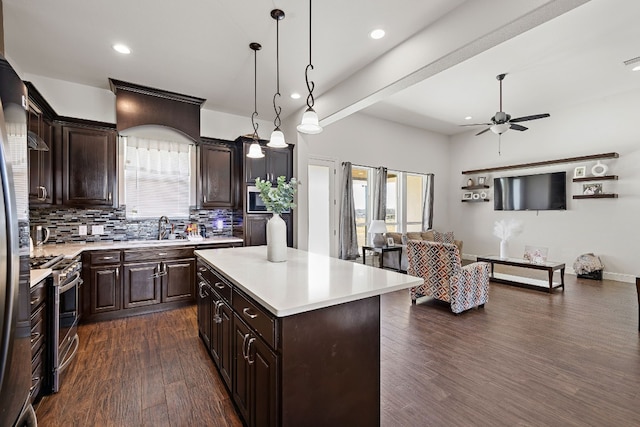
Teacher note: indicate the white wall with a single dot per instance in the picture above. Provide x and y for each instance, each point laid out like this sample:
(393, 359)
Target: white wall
(86, 102)
(606, 227)
(369, 141)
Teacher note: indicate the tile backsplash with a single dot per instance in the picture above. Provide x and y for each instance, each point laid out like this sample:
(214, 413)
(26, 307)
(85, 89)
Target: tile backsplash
(64, 224)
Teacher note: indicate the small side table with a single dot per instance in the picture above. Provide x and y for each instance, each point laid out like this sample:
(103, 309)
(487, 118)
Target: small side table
(381, 251)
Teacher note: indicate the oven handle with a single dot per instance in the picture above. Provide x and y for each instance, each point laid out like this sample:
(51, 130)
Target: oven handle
(69, 285)
(76, 343)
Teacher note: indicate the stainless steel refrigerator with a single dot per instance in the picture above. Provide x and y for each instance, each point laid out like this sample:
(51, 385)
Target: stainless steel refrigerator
(15, 328)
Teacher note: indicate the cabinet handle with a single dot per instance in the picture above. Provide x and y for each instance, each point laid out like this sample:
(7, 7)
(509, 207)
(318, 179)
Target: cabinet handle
(162, 253)
(244, 347)
(106, 258)
(203, 294)
(109, 196)
(205, 198)
(36, 380)
(216, 315)
(249, 360)
(117, 274)
(33, 301)
(35, 336)
(202, 269)
(219, 285)
(43, 191)
(248, 313)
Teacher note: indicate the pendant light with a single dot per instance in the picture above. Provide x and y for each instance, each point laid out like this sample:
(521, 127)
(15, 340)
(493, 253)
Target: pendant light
(309, 124)
(255, 151)
(277, 137)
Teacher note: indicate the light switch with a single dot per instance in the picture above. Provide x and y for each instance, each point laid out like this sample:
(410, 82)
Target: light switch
(82, 230)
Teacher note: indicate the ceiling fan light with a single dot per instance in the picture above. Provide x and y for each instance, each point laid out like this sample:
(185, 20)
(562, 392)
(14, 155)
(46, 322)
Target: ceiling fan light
(309, 123)
(499, 129)
(277, 139)
(255, 151)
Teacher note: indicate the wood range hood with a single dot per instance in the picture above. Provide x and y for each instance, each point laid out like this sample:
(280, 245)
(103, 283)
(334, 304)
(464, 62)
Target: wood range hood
(138, 105)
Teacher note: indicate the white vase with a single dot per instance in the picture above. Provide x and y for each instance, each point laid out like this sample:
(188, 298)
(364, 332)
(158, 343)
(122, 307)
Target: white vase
(276, 239)
(503, 249)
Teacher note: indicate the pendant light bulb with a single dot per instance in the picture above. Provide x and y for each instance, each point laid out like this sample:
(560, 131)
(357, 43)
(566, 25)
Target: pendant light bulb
(309, 124)
(255, 151)
(277, 139)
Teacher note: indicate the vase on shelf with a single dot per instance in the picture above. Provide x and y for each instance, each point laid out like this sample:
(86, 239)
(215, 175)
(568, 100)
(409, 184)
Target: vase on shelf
(276, 239)
(503, 249)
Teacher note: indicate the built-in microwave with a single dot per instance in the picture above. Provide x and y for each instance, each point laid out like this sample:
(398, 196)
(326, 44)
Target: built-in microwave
(254, 201)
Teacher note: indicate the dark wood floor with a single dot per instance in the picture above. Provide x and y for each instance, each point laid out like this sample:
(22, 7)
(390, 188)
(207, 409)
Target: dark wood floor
(527, 359)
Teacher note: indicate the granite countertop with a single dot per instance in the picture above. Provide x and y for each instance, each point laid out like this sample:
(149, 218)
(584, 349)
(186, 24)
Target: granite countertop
(70, 250)
(305, 282)
(38, 275)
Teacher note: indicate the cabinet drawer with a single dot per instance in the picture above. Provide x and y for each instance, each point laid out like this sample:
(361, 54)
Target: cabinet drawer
(37, 330)
(257, 318)
(105, 257)
(219, 285)
(37, 374)
(157, 254)
(38, 295)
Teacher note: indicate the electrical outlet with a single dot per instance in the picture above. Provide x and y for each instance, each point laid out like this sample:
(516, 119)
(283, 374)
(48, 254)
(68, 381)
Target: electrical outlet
(97, 229)
(82, 230)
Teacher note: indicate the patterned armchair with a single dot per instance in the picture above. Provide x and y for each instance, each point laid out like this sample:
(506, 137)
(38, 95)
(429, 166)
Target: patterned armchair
(444, 277)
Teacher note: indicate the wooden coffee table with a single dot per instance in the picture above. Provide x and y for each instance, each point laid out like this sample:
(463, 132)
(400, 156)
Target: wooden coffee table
(548, 266)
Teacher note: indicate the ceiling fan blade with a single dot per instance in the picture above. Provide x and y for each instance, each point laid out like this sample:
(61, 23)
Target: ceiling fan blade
(517, 127)
(477, 124)
(527, 118)
(482, 131)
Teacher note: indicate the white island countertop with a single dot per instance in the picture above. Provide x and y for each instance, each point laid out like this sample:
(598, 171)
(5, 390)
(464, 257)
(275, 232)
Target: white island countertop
(305, 282)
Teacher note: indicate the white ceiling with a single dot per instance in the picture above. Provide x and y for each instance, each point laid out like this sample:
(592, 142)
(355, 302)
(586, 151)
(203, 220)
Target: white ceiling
(202, 50)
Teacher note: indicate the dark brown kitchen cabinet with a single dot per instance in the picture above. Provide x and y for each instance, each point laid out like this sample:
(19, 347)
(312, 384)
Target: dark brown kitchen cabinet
(89, 175)
(178, 280)
(105, 289)
(218, 177)
(39, 327)
(255, 229)
(255, 377)
(276, 162)
(141, 284)
(40, 162)
(204, 311)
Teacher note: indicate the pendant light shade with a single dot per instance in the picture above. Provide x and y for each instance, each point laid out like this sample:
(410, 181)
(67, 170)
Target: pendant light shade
(309, 124)
(277, 136)
(255, 151)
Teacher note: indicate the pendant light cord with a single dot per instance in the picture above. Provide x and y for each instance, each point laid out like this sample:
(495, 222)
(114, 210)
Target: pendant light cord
(255, 95)
(310, 84)
(277, 122)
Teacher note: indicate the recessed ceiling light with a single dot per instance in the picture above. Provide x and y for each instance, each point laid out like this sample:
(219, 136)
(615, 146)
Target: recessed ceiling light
(295, 95)
(636, 68)
(377, 34)
(121, 49)
(468, 118)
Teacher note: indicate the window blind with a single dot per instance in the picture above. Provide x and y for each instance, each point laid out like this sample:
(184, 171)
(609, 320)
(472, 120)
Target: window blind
(157, 178)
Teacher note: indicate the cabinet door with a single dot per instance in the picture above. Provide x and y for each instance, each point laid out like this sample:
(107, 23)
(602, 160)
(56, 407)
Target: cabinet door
(241, 380)
(255, 229)
(217, 176)
(88, 166)
(178, 282)
(40, 162)
(204, 313)
(279, 163)
(255, 168)
(225, 328)
(141, 284)
(105, 289)
(263, 381)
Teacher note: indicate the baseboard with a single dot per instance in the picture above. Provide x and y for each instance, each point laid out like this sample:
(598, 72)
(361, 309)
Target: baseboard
(607, 275)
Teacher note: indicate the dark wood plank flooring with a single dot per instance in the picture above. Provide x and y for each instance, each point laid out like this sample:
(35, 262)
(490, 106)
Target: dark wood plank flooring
(527, 359)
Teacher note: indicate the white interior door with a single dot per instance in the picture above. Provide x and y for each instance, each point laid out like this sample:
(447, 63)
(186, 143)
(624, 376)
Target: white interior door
(322, 230)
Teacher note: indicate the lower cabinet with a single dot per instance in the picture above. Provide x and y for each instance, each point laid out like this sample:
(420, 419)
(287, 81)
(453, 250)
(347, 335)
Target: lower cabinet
(39, 327)
(136, 281)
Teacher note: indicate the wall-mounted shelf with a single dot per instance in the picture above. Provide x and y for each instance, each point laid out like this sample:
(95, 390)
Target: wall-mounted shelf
(545, 163)
(596, 196)
(475, 200)
(474, 187)
(596, 178)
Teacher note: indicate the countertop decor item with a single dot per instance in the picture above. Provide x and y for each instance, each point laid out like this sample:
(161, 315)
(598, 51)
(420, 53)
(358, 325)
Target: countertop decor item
(277, 200)
(504, 230)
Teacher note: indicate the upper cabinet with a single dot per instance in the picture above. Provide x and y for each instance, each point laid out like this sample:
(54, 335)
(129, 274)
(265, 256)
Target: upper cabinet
(41, 149)
(89, 174)
(276, 162)
(218, 175)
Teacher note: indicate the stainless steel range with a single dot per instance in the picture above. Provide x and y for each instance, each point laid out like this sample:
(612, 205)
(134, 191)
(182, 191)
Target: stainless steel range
(64, 297)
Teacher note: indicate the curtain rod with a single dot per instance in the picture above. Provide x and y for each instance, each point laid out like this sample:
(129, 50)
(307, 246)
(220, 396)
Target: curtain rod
(395, 170)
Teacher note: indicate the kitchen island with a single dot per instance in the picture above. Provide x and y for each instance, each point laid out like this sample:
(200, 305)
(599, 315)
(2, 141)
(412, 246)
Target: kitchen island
(297, 343)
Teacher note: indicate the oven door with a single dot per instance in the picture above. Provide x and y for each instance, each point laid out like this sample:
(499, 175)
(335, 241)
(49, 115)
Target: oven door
(66, 298)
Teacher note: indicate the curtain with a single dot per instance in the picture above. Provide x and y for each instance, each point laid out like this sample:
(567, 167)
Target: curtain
(348, 235)
(380, 194)
(427, 209)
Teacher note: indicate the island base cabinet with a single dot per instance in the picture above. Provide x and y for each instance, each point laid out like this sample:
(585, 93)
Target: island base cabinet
(255, 380)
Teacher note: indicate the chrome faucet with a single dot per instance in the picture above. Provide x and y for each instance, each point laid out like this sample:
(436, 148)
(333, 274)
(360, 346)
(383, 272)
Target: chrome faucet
(163, 222)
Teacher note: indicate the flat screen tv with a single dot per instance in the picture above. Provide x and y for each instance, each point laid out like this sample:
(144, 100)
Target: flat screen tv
(541, 192)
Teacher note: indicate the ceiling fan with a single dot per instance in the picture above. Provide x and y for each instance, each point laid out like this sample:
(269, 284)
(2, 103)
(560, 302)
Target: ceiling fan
(502, 121)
